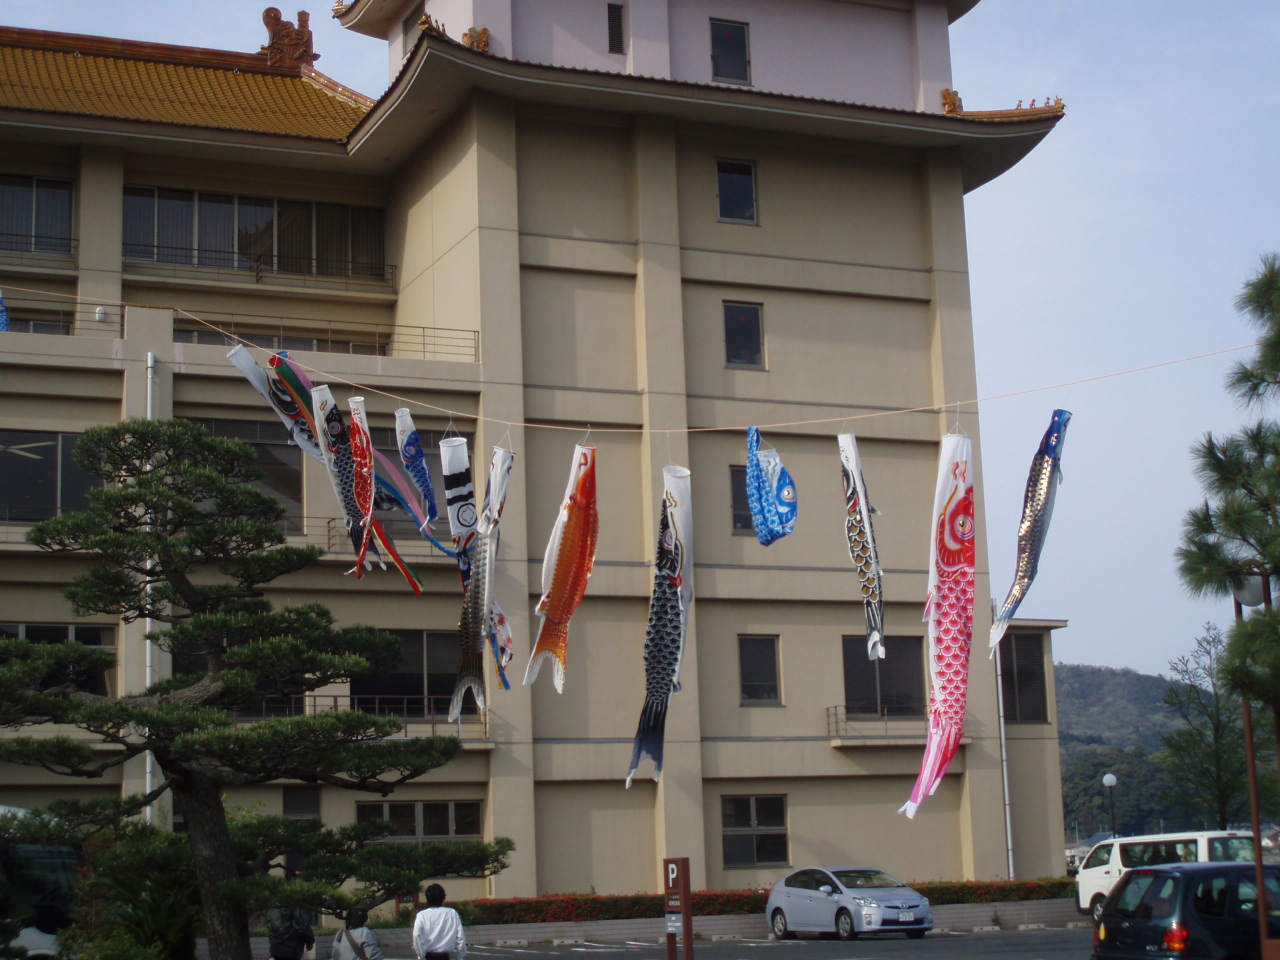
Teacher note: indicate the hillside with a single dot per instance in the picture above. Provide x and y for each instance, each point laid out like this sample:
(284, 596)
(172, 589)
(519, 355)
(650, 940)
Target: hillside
(1105, 707)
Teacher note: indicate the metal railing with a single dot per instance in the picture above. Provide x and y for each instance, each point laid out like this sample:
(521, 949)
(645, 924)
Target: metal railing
(37, 250)
(421, 716)
(61, 316)
(846, 724)
(409, 542)
(330, 336)
(195, 264)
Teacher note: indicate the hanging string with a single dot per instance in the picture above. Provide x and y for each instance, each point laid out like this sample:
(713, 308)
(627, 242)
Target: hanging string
(818, 421)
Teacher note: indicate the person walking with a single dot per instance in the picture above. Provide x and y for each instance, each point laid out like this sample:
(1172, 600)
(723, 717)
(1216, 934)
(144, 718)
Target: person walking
(289, 929)
(437, 930)
(356, 941)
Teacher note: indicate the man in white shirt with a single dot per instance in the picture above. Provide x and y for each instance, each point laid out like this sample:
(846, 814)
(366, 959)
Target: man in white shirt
(437, 930)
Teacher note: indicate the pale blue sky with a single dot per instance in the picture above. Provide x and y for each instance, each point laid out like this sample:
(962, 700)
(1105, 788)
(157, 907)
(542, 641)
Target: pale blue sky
(1120, 242)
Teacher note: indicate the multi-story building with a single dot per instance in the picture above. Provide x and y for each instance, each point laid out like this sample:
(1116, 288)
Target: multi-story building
(654, 222)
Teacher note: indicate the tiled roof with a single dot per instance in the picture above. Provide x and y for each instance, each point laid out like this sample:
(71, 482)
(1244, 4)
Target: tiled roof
(156, 83)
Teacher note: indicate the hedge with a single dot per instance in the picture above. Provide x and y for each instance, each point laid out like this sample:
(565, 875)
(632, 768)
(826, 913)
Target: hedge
(574, 907)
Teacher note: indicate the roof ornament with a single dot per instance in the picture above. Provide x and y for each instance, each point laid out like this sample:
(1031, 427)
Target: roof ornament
(432, 27)
(952, 105)
(477, 39)
(951, 102)
(287, 45)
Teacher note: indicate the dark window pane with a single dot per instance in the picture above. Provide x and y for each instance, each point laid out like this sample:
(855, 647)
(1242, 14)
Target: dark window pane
(736, 812)
(739, 849)
(53, 215)
(9, 630)
(615, 28)
(466, 818)
(743, 340)
(771, 848)
(758, 667)
(435, 819)
(139, 223)
(48, 632)
(217, 230)
(16, 208)
(301, 802)
(175, 222)
(902, 677)
(771, 811)
(861, 679)
(443, 655)
(403, 819)
(1023, 677)
(74, 481)
(366, 812)
(738, 495)
(281, 468)
(729, 59)
(333, 233)
(255, 233)
(368, 242)
(293, 236)
(737, 189)
(94, 636)
(28, 475)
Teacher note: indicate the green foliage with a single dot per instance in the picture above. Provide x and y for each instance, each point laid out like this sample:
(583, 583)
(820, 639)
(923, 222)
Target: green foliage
(1106, 707)
(1259, 378)
(13, 916)
(1140, 793)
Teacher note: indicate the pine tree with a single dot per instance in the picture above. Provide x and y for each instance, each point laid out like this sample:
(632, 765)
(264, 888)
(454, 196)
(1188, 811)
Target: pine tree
(179, 536)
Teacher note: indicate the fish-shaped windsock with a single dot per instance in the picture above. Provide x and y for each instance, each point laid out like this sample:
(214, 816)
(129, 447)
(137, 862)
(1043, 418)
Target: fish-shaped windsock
(495, 499)
(4, 314)
(460, 501)
(862, 542)
(571, 551)
(668, 617)
(1037, 511)
(299, 423)
(770, 491)
(362, 481)
(474, 626)
(949, 613)
(414, 460)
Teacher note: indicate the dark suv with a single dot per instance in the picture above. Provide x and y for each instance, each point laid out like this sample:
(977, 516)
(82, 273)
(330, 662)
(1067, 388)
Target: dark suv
(1202, 910)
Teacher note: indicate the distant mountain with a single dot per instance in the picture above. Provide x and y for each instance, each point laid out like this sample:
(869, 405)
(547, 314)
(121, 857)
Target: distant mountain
(1104, 707)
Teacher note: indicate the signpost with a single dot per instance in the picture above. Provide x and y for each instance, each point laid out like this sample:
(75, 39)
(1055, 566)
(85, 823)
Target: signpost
(679, 906)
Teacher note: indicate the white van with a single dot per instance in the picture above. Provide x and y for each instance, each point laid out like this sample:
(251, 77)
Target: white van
(1108, 861)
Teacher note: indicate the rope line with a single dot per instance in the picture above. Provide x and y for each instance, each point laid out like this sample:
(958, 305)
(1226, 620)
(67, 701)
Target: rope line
(936, 408)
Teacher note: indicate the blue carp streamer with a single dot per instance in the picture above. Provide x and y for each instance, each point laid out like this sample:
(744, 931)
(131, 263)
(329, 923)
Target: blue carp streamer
(770, 491)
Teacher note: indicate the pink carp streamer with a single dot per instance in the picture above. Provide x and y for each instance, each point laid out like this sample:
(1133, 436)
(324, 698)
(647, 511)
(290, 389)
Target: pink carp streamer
(949, 613)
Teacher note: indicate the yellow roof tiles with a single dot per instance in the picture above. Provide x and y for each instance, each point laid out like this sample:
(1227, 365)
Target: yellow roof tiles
(140, 85)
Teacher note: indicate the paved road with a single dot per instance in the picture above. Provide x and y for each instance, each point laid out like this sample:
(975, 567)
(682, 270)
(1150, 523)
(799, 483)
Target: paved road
(1053, 944)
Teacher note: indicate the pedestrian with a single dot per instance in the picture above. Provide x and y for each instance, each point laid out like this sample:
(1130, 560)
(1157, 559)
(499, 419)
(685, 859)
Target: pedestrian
(289, 929)
(356, 941)
(437, 930)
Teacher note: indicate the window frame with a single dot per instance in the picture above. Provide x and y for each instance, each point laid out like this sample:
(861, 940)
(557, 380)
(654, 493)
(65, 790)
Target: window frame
(731, 364)
(773, 644)
(419, 820)
(715, 22)
(615, 27)
(721, 164)
(64, 497)
(59, 242)
(108, 640)
(755, 830)
(738, 499)
(853, 650)
(1016, 688)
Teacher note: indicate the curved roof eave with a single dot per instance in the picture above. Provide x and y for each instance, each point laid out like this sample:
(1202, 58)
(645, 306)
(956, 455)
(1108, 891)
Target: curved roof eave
(440, 75)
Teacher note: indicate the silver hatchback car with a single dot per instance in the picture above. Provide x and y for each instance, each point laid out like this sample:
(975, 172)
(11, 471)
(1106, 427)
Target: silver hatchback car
(846, 901)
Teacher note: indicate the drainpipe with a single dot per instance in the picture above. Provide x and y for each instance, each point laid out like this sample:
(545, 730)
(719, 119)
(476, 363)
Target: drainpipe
(150, 664)
(1004, 765)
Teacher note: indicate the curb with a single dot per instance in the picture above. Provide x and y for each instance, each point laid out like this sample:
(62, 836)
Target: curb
(987, 928)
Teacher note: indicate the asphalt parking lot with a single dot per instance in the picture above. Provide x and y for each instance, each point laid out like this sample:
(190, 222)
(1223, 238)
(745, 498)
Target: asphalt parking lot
(1050, 944)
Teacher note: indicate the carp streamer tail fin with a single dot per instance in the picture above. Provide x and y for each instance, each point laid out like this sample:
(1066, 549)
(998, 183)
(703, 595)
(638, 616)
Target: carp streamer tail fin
(470, 676)
(552, 640)
(939, 751)
(650, 736)
(875, 632)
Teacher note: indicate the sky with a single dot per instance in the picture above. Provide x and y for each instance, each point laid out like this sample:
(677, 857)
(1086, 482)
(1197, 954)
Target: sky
(1119, 243)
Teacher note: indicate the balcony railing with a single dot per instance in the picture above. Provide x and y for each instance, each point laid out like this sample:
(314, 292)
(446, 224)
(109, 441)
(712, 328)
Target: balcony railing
(421, 716)
(225, 266)
(36, 250)
(61, 317)
(331, 336)
(844, 724)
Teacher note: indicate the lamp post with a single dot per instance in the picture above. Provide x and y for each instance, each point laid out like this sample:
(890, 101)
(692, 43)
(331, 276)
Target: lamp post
(1109, 781)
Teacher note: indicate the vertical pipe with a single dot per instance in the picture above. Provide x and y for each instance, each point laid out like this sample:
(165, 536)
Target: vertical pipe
(1004, 761)
(1254, 814)
(150, 665)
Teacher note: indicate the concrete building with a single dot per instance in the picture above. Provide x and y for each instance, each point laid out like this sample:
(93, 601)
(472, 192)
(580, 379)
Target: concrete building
(657, 221)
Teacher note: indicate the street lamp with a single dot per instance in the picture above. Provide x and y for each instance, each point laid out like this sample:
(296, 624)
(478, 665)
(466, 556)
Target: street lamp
(1109, 781)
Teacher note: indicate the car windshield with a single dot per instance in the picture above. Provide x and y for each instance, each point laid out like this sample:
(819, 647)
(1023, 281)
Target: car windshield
(862, 879)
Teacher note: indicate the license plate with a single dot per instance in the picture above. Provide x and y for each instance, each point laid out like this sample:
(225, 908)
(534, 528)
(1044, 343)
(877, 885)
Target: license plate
(906, 916)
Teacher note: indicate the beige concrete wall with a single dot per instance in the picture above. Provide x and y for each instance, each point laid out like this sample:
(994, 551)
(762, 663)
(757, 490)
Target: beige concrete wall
(595, 837)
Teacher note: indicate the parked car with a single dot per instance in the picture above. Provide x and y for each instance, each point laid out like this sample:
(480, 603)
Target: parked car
(1208, 911)
(1108, 860)
(846, 901)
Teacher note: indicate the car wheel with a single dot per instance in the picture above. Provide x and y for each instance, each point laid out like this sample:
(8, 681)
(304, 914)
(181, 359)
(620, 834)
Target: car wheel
(1095, 908)
(916, 934)
(779, 923)
(845, 929)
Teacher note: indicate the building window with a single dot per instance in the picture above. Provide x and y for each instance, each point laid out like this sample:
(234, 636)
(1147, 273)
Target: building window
(889, 687)
(253, 233)
(421, 685)
(1022, 676)
(743, 335)
(736, 181)
(279, 460)
(742, 522)
(35, 215)
(425, 819)
(93, 636)
(616, 43)
(730, 54)
(300, 802)
(758, 670)
(38, 477)
(754, 831)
